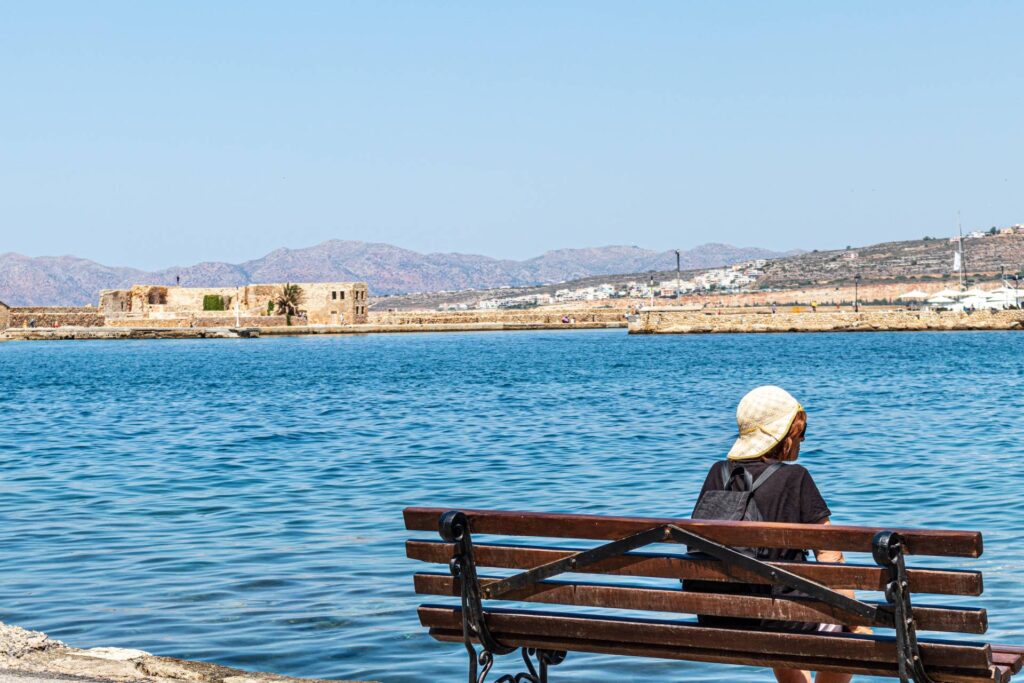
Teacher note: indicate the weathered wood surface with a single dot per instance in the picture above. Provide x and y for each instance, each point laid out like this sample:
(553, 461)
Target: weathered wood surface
(1013, 658)
(964, 620)
(838, 576)
(995, 674)
(678, 634)
(743, 534)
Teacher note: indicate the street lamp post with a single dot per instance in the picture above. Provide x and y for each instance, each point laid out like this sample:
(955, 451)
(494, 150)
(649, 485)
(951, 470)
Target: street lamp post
(677, 274)
(651, 287)
(856, 293)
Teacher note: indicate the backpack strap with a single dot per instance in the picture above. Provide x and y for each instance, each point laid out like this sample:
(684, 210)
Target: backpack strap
(729, 471)
(769, 471)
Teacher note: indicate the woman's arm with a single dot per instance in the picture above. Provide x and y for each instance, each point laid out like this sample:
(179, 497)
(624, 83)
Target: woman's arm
(828, 555)
(837, 556)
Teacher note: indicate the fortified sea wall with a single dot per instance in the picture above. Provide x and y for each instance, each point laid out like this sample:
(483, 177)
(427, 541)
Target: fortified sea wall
(205, 320)
(55, 316)
(530, 316)
(669, 321)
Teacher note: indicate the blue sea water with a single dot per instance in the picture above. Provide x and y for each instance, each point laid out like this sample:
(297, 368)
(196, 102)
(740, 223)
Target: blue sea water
(240, 501)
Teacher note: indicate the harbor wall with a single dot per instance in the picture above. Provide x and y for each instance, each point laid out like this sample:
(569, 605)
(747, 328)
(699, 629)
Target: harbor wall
(668, 321)
(55, 316)
(537, 316)
(203, 320)
(225, 332)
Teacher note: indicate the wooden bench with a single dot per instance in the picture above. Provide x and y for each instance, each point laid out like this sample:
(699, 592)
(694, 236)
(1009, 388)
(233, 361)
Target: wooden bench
(544, 637)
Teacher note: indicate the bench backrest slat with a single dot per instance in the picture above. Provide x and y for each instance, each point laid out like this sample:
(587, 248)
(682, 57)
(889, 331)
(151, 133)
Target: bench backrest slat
(653, 565)
(660, 632)
(964, 620)
(743, 534)
(994, 674)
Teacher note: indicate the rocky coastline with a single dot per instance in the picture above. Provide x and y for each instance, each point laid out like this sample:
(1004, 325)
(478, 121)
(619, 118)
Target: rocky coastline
(32, 656)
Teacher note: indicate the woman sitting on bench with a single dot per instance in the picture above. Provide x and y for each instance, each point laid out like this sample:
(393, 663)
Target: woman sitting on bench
(772, 425)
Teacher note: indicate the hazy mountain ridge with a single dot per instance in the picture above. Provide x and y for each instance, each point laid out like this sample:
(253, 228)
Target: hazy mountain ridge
(69, 280)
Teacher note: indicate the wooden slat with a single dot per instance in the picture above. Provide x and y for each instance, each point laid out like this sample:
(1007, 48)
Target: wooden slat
(1009, 660)
(1011, 656)
(838, 576)
(720, 657)
(743, 534)
(711, 604)
(677, 634)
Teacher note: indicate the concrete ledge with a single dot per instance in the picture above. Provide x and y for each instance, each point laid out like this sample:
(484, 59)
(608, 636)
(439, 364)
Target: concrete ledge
(32, 656)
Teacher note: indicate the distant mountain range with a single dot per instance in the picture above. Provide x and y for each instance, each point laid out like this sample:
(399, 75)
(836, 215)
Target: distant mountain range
(72, 281)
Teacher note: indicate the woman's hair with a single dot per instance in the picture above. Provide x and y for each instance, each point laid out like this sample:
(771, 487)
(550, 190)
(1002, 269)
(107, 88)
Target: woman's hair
(786, 449)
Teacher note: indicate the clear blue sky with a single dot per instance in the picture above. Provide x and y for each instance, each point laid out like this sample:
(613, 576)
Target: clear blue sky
(155, 134)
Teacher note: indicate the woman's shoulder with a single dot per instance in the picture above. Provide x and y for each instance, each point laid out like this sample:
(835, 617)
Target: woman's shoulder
(796, 471)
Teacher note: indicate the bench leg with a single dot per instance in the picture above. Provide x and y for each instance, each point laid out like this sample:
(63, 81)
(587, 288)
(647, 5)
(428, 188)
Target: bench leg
(454, 528)
(887, 550)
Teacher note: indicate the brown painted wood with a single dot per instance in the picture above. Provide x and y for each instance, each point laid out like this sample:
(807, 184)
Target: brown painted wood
(711, 604)
(1013, 661)
(722, 657)
(677, 634)
(743, 534)
(838, 576)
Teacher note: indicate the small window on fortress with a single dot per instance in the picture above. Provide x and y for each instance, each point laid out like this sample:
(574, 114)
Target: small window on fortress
(342, 295)
(334, 295)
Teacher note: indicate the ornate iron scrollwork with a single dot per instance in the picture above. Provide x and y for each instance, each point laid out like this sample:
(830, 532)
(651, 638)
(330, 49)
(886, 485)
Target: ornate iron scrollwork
(887, 549)
(454, 528)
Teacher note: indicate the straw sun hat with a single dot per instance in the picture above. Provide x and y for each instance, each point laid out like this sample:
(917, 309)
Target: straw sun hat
(764, 417)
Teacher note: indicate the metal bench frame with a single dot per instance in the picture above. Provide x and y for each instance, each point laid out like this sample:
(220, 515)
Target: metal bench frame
(887, 550)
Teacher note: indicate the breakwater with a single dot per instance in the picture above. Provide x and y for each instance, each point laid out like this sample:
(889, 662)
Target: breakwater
(674, 321)
(94, 333)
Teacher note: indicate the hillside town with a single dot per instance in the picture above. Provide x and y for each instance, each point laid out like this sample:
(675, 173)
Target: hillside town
(985, 251)
(733, 279)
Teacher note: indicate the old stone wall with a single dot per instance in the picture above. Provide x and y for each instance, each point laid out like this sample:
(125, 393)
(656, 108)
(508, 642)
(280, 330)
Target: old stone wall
(323, 303)
(658, 321)
(530, 315)
(55, 316)
(205, 321)
(5, 316)
(334, 303)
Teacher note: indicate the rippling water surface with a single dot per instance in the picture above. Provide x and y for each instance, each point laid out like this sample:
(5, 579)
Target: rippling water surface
(240, 501)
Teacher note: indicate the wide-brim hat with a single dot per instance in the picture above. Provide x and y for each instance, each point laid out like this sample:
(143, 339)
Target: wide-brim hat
(764, 417)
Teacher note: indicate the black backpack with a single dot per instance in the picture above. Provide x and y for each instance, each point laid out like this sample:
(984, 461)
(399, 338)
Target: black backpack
(736, 505)
(739, 505)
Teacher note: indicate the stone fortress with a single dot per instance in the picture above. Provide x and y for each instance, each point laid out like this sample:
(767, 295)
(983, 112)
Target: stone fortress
(322, 303)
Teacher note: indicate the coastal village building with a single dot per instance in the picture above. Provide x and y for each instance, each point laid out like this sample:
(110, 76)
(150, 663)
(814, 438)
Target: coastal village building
(323, 303)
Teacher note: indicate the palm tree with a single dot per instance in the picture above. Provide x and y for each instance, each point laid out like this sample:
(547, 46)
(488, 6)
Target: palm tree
(288, 300)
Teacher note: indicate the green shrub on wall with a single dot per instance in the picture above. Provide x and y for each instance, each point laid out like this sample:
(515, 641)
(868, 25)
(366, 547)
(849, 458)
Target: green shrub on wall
(213, 302)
